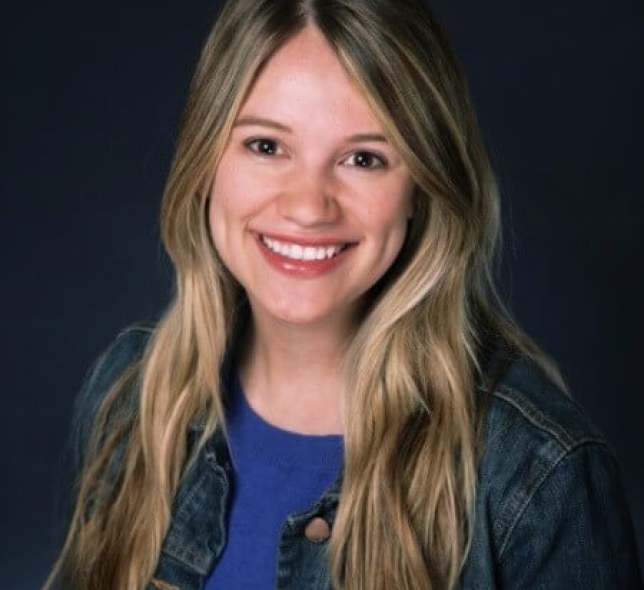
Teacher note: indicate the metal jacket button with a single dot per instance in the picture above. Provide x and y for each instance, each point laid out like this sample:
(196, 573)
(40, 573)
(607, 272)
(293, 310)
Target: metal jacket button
(318, 530)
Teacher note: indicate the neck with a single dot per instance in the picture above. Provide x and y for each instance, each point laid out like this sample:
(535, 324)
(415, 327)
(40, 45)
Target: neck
(293, 375)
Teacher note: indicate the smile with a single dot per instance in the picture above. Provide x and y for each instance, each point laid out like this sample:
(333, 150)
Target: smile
(302, 252)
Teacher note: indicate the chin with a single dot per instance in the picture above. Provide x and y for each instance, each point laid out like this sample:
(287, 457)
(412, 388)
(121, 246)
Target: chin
(300, 317)
(297, 314)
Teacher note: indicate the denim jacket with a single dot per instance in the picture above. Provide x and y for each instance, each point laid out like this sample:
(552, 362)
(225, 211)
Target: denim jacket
(550, 509)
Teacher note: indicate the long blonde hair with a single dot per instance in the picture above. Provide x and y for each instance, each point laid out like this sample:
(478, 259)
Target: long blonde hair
(406, 509)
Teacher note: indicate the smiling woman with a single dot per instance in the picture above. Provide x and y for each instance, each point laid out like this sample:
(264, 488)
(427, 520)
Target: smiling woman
(335, 397)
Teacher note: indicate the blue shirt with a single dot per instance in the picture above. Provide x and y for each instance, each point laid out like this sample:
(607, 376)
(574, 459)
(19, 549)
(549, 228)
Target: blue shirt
(275, 473)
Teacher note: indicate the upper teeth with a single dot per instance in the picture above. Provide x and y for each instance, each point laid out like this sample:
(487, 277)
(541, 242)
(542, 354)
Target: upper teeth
(298, 252)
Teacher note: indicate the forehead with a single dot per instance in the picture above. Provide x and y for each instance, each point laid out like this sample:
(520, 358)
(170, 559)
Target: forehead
(305, 82)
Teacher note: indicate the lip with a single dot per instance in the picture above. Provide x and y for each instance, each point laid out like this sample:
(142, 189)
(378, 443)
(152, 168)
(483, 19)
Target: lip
(305, 269)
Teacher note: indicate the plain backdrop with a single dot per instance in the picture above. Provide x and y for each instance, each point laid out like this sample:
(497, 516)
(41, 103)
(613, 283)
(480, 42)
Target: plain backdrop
(90, 98)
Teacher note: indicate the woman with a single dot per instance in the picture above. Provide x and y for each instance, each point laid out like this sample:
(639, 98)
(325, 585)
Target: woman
(334, 397)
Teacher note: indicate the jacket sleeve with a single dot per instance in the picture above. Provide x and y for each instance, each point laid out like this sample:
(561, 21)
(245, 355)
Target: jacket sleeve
(575, 532)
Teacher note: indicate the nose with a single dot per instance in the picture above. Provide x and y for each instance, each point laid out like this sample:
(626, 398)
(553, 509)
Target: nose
(309, 199)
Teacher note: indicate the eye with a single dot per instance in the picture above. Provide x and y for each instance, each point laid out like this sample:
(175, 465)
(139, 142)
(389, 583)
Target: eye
(365, 160)
(263, 146)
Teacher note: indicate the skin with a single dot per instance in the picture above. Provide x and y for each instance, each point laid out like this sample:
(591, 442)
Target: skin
(307, 163)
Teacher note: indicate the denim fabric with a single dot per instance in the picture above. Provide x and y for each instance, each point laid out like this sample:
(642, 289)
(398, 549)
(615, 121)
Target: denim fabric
(550, 509)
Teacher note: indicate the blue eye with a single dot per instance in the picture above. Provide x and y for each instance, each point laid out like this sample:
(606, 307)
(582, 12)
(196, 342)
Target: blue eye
(365, 160)
(262, 146)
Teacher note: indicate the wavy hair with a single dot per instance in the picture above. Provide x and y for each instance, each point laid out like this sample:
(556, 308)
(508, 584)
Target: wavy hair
(406, 508)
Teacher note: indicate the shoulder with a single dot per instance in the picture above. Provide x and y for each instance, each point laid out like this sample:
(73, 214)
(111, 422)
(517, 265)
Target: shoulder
(531, 426)
(549, 487)
(124, 351)
(527, 410)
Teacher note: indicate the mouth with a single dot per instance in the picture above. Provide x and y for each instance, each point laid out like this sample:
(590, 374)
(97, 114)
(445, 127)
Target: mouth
(303, 252)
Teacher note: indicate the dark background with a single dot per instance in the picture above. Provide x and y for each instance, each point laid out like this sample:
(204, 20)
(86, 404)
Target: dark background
(90, 97)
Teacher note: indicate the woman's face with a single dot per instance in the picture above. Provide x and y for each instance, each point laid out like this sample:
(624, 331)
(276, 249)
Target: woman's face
(310, 202)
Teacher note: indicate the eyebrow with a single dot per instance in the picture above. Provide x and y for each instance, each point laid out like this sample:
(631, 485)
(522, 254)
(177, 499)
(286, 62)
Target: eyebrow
(253, 121)
(259, 121)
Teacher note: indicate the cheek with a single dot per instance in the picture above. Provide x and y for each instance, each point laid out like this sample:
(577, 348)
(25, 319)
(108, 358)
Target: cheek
(216, 222)
(221, 212)
(225, 196)
(391, 223)
(221, 224)
(390, 216)
(235, 197)
(237, 192)
(395, 239)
